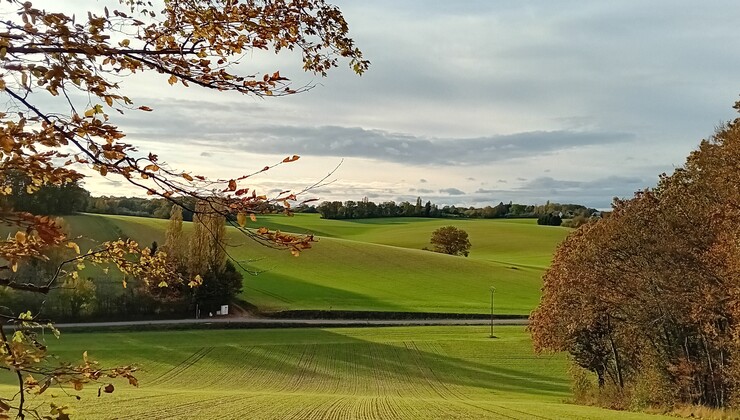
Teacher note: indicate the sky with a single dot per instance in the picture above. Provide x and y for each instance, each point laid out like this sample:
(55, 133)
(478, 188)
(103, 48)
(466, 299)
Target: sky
(467, 103)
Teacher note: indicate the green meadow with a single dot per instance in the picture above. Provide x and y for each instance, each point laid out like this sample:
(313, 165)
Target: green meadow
(344, 373)
(374, 264)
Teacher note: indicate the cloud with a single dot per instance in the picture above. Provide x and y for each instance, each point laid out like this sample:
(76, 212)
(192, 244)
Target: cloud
(214, 131)
(425, 191)
(418, 150)
(423, 181)
(452, 191)
(596, 192)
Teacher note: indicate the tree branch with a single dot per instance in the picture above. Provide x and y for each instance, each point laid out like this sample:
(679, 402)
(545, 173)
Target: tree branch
(21, 415)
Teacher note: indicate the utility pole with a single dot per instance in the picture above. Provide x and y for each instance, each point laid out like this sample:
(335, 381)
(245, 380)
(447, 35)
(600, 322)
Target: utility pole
(493, 290)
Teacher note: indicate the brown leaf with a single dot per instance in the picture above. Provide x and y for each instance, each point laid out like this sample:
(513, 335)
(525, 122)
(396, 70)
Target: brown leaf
(291, 159)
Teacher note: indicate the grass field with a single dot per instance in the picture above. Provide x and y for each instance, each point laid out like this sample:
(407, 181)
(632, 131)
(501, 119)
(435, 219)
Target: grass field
(365, 373)
(376, 264)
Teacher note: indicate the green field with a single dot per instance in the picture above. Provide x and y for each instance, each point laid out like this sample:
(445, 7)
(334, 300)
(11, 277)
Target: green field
(359, 373)
(375, 264)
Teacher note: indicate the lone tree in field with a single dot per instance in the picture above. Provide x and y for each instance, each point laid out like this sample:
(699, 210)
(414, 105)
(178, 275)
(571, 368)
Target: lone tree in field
(450, 240)
(62, 75)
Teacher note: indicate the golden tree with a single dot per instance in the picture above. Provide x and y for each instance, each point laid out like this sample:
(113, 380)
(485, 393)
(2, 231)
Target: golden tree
(53, 59)
(648, 298)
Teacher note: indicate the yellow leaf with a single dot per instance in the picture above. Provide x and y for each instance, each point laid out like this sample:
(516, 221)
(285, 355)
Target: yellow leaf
(187, 176)
(241, 218)
(162, 284)
(7, 143)
(172, 80)
(74, 246)
(253, 217)
(90, 112)
(20, 237)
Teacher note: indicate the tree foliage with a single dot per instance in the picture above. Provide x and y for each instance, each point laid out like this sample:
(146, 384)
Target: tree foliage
(368, 209)
(550, 219)
(649, 298)
(450, 240)
(55, 60)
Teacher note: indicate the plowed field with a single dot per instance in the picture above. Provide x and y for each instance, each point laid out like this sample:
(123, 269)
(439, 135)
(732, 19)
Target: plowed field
(324, 374)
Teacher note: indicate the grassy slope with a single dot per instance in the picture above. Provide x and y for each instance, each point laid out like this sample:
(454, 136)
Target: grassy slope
(378, 264)
(367, 373)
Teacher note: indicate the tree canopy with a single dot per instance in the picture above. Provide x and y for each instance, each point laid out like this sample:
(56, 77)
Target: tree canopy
(63, 75)
(649, 298)
(450, 240)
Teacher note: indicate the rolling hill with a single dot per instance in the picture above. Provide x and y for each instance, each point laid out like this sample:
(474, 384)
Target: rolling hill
(373, 265)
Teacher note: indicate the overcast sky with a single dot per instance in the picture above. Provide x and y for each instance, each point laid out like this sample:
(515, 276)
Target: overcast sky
(471, 103)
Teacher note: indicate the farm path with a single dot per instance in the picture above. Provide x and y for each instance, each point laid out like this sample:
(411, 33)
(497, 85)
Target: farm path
(248, 322)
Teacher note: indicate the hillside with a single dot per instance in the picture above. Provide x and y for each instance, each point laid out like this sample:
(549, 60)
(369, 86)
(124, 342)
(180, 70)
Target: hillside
(375, 264)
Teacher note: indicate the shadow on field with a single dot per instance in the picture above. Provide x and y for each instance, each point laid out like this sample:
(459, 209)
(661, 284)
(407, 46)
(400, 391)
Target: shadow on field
(328, 362)
(284, 289)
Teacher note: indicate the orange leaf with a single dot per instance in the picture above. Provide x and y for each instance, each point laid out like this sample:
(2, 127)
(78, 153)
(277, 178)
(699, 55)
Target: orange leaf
(291, 158)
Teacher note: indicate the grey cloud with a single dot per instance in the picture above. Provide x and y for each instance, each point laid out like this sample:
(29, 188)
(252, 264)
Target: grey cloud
(471, 179)
(452, 191)
(425, 191)
(365, 143)
(206, 154)
(594, 193)
(404, 148)
(423, 181)
(612, 183)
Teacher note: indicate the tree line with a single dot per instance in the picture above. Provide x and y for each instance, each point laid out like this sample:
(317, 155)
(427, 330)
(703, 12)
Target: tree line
(72, 197)
(367, 209)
